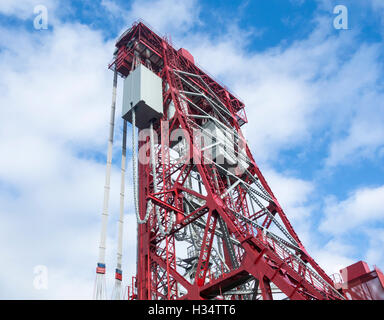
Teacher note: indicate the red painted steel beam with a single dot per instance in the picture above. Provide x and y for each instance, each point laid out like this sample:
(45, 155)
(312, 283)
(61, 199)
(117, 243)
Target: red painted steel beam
(259, 257)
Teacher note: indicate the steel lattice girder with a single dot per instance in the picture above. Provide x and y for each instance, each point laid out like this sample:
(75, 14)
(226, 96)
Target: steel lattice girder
(198, 200)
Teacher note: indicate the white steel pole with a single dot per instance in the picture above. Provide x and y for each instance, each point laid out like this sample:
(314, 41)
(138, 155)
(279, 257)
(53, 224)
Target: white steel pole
(107, 187)
(122, 194)
(100, 280)
(118, 275)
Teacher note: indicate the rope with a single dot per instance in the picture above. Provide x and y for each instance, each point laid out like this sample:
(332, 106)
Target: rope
(134, 166)
(150, 204)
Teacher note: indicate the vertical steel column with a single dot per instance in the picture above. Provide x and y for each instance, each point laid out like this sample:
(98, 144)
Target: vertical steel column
(100, 271)
(119, 272)
(143, 229)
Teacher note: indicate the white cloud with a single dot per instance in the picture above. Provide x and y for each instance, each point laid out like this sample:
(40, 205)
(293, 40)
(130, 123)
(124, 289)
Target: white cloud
(111, 7)
(356, 93)
(163, 16)
(332, 258)
(363, 206)
(340, 251)
(24, 9)
(166, 15)
(375, 253)
(292, 193)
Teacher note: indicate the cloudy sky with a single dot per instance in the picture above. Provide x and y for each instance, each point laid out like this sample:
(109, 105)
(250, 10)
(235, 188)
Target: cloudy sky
(314, 100)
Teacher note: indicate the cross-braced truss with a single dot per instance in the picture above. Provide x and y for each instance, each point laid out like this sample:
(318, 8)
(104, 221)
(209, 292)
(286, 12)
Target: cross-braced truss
(210, 226)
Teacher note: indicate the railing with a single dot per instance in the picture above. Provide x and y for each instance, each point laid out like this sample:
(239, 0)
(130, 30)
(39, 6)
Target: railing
(336, 278)
(301, 268)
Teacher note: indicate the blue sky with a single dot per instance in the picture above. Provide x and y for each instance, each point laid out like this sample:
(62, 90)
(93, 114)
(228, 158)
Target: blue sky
(314, 101)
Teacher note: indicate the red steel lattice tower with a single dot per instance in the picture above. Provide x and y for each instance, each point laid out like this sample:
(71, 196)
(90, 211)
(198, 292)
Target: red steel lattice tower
(209, 226)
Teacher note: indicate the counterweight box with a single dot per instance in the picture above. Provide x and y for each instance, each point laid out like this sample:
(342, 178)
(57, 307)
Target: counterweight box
(142, 91)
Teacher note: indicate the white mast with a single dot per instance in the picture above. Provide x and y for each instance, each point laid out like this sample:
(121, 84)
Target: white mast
(116, 295)
(100, 287)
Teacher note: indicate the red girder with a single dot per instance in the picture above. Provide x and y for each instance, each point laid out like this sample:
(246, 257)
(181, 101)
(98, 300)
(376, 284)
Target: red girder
(206, 247)
(247, 251)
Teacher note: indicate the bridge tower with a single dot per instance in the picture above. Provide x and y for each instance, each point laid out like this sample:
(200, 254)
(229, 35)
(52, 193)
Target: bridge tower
(209, 225)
